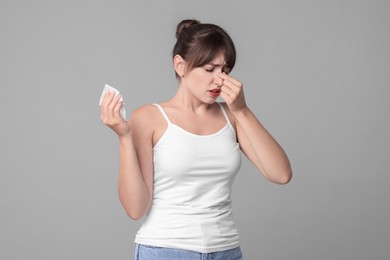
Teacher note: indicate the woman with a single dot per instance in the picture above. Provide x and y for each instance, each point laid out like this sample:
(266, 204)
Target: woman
(178, 159)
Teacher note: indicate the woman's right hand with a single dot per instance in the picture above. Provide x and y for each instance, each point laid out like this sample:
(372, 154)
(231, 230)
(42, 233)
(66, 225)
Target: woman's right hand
(110, 114)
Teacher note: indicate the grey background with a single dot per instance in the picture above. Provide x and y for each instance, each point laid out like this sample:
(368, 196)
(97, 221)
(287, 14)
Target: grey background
(316, 73)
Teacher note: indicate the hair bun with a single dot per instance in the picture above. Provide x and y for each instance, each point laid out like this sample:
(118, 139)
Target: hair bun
(184, 25)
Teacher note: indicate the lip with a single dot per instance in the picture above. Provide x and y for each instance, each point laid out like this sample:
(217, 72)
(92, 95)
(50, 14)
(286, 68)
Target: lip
(215, 92)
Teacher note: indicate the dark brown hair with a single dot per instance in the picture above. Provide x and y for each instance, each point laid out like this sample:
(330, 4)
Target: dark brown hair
(198, 44)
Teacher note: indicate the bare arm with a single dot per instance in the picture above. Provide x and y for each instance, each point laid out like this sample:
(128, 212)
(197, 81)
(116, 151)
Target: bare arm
(135, 177)
(255, 141)
(134, 189)
(261, 148)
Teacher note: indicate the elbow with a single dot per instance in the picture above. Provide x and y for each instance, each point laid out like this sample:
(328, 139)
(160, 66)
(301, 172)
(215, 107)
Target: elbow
(281, 178)
(284, 178)
(283, 175)
(133, 210)
(134, 215)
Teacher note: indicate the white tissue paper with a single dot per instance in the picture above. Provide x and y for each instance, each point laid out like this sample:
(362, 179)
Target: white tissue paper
(108, 88)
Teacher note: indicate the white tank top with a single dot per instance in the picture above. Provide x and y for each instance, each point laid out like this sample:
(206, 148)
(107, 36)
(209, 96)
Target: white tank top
(193, 177)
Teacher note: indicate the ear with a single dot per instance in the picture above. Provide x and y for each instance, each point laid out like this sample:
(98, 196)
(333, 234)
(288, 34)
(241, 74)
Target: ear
(180, 65)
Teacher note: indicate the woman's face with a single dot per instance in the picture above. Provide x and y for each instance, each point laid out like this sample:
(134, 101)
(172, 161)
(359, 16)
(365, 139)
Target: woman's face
(203, 82)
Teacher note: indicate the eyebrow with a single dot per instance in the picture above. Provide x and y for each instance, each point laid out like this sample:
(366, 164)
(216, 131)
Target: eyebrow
(217, 65)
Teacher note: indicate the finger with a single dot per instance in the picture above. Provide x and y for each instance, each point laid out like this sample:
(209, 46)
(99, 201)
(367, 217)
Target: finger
(233, 86)
(112, 105)
(106, 109)
(108, 105)
(224, 76)
(232, 89)
(114, 101)
(227, 91)
(108, 97)
(230, 85)
(117, 109)
(226, 96)
(103, 108)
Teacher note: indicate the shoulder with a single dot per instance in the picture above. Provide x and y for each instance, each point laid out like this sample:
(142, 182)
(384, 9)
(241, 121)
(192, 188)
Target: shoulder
(144, 112)
(147, 124)
(144, 116)
(231, 117)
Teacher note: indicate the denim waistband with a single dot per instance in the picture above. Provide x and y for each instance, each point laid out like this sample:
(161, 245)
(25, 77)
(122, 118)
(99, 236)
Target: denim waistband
(148, 252)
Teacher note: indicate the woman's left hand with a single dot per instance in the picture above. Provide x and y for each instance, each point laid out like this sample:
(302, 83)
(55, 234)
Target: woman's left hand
(232, 92)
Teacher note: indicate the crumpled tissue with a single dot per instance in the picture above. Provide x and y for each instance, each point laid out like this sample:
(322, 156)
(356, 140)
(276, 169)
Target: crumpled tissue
(108, 88)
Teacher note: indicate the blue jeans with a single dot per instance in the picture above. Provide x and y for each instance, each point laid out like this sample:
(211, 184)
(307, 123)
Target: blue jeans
(146, 252)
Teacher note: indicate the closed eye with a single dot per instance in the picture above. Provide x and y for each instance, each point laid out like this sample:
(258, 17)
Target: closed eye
(225, 70)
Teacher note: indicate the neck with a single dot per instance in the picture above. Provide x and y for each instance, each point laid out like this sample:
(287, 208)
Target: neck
(186, 101)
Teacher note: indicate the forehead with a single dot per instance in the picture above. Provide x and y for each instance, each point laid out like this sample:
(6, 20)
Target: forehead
(219, 59)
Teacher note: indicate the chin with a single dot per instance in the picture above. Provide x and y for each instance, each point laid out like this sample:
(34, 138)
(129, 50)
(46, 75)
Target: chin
(210, 101)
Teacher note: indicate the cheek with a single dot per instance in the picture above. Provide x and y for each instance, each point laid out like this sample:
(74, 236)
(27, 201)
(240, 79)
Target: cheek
(202, 77)
(198, 78)
(206, 77)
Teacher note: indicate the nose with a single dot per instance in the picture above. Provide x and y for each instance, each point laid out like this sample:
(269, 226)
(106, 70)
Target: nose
(218, 81)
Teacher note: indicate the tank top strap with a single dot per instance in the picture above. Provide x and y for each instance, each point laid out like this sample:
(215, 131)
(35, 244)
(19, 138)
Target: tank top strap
(224, 112)
(162, 112)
